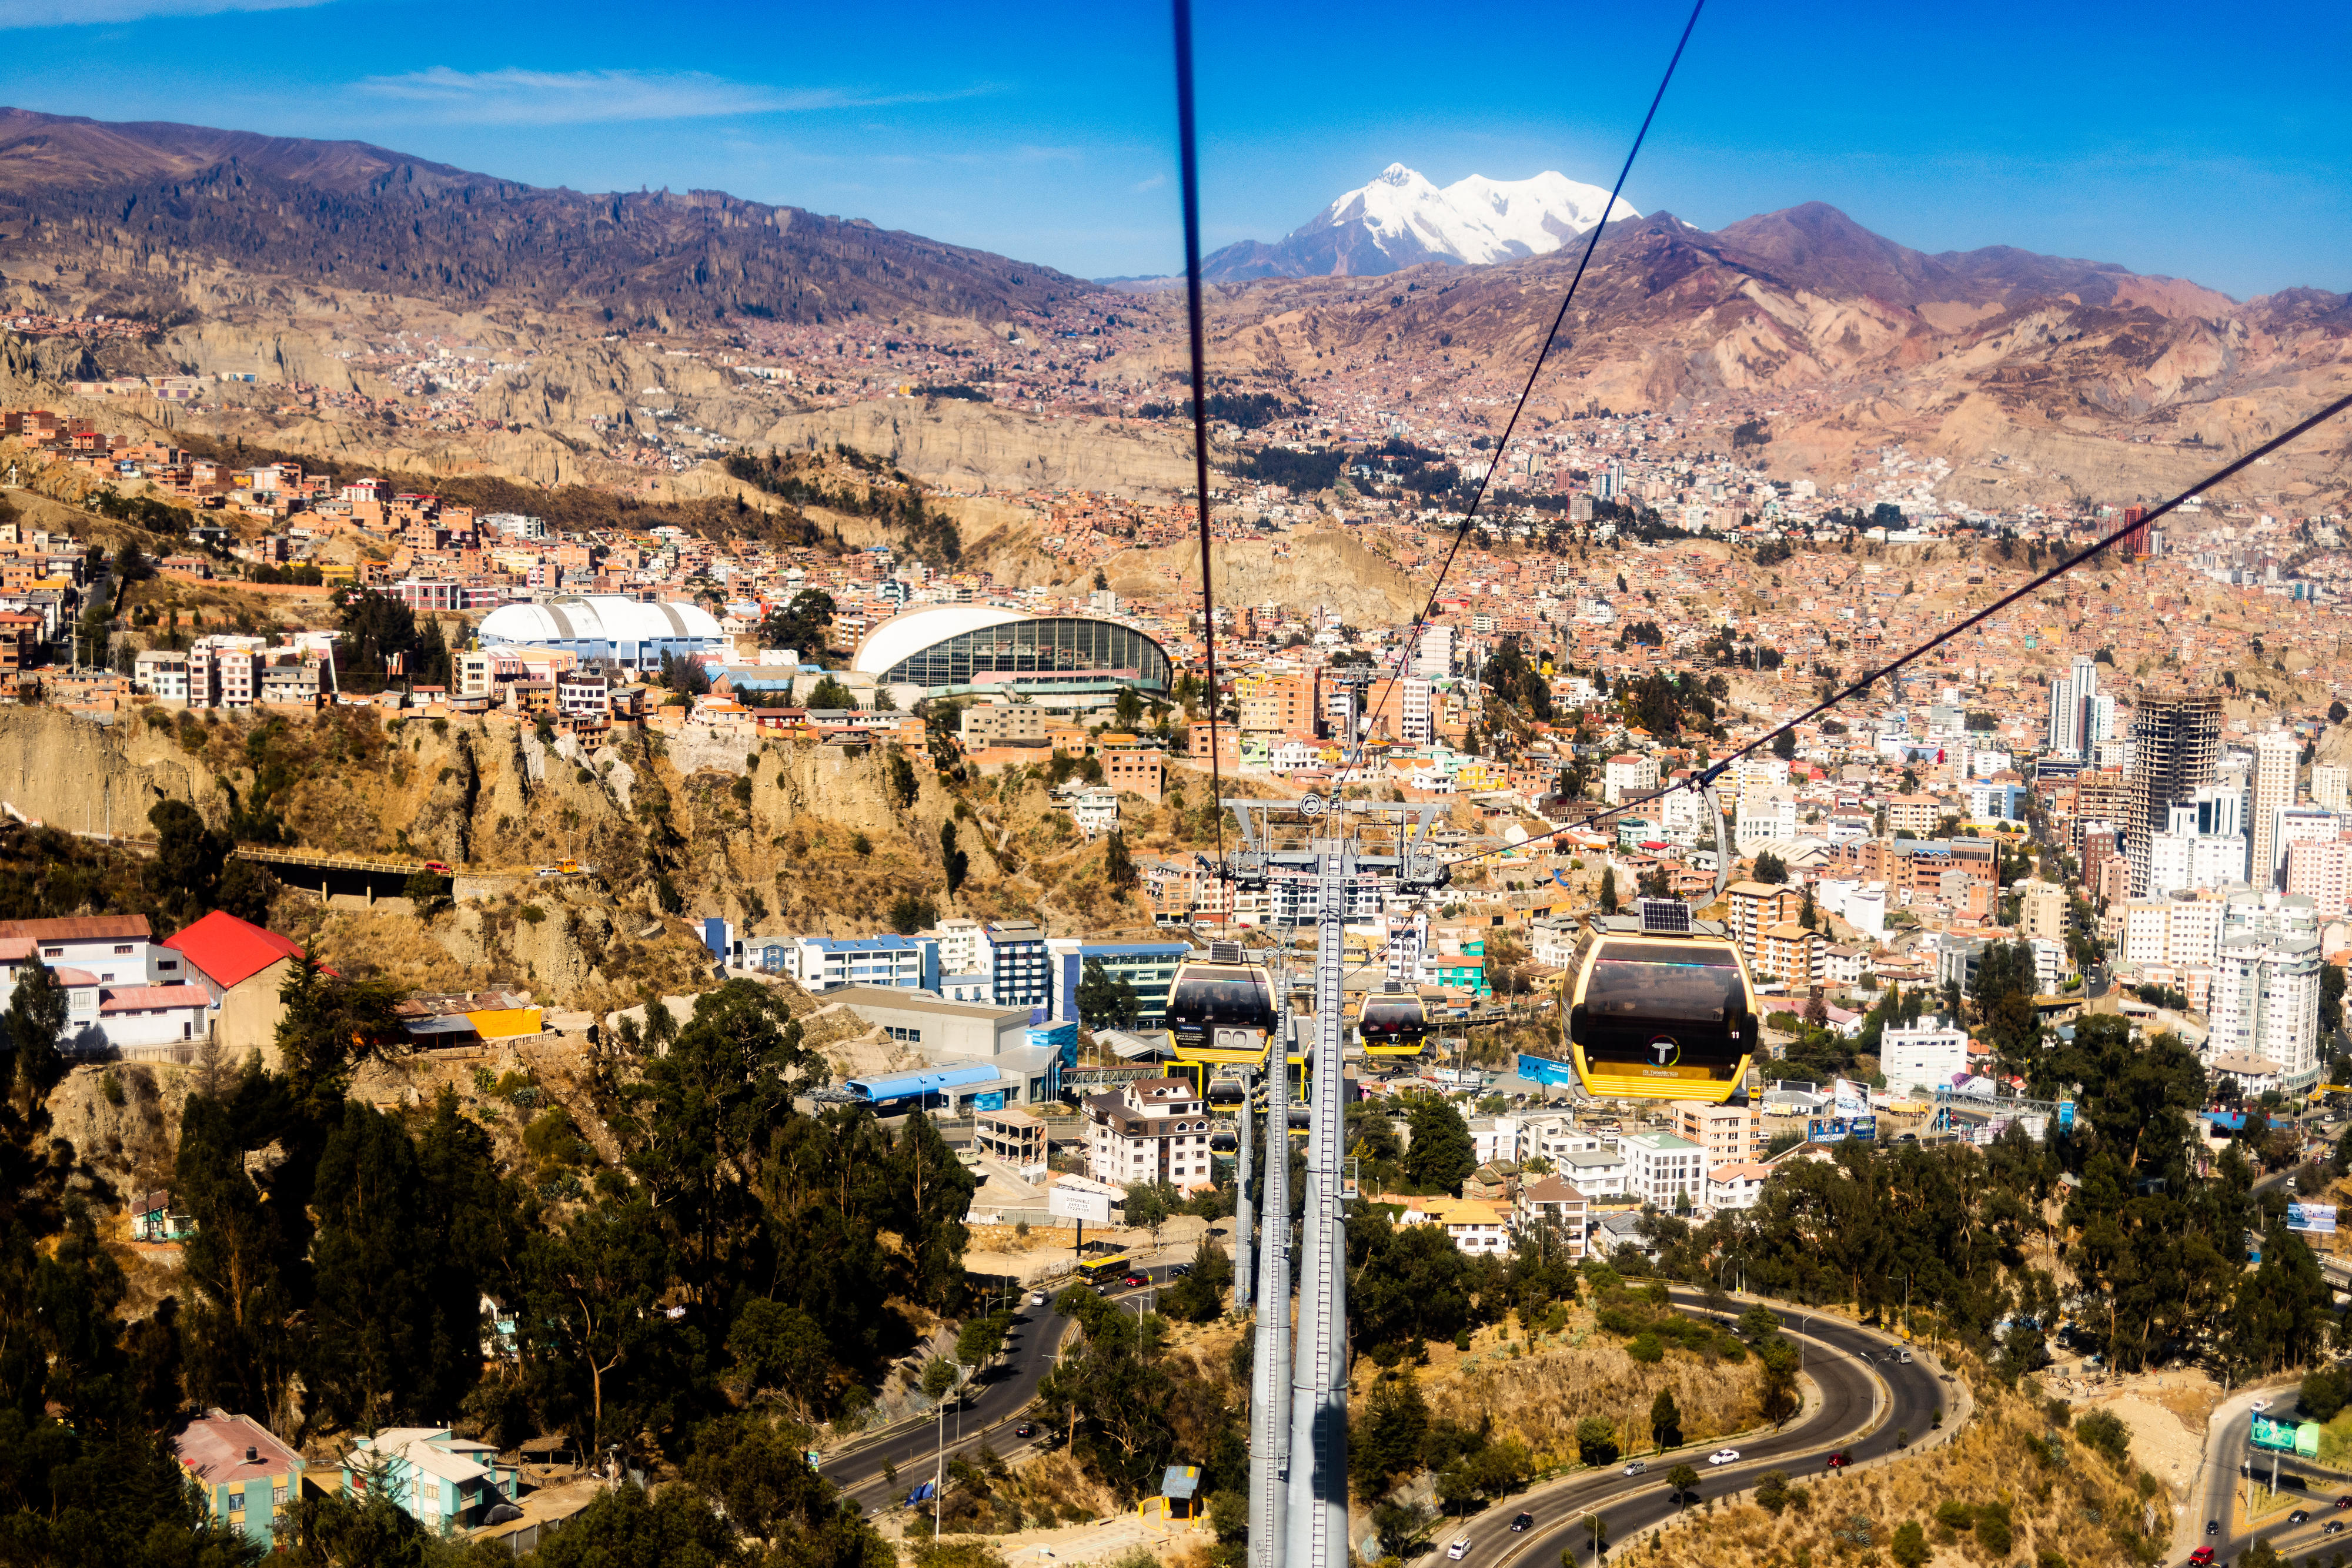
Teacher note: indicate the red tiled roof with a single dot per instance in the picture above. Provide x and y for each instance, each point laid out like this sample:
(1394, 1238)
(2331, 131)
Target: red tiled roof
(231, 951)
(79, 929)
(143, 998)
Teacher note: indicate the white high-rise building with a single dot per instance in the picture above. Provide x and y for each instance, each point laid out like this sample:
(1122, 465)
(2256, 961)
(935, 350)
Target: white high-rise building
(2327, 787)
(2066, 721)
(2266, 1007)
(1926, 1056)
(2276, 757)
(1432, 655)
(2181, 858)
(2299, 825)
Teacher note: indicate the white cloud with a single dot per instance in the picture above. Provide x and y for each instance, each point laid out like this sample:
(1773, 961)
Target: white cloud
(93, 13)
(517, 97)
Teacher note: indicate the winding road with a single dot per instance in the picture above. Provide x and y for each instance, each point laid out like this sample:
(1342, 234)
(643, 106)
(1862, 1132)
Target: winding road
(996, 1403)
(1869, 1396)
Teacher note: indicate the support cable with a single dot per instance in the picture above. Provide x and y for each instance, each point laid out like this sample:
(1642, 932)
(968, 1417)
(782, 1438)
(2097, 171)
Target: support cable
(1705, 779)
(1543, 352)
(1191, 184)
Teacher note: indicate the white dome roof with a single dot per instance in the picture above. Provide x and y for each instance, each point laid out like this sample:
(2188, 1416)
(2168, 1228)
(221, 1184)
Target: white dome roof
(599, 617)
(903, 636)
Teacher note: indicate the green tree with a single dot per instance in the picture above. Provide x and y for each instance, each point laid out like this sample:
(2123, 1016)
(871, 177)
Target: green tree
(1665, 1420)
(1200, 1296)
(398, 1269)
(331, 1024)
(2326, 1390)
(953, 862)
(1769, 868)
(628, 1524)
(1609, 890)
(829, 695)
(1104, 1003)
(1909, 1547)
(592, 1287)
(1682, 1479)
(802, 625)
(932, 1190)
(1596, 1440)
(1119, 864)
(1440, 1155)
(1387, 1444)
(37, 1020)
(780, 1350)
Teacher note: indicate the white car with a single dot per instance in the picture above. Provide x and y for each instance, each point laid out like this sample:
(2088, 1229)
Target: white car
(2259, 1406)
(1037, 1298)
(1459, 1550)
(1724, 1457)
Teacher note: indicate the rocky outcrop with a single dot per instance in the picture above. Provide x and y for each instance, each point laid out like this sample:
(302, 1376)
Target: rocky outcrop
(969, 444)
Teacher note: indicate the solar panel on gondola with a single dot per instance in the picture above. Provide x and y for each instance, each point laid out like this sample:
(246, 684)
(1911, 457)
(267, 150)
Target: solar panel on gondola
(1654, 1014)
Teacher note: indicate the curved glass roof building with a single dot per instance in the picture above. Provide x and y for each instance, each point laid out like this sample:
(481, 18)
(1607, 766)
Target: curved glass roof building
(947, 648)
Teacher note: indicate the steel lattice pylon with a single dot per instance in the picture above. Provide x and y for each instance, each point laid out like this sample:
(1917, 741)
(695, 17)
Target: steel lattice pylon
(1298, 1411)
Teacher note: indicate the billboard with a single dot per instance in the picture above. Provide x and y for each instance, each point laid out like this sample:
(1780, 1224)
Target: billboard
(1073, 1202)
(1544, 1069)
(2316, 1218)
(2285, 1436)
(1851, 1099)
(1836, 1129)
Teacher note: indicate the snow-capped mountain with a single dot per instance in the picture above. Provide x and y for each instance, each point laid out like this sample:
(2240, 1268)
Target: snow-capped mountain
(1400, 219)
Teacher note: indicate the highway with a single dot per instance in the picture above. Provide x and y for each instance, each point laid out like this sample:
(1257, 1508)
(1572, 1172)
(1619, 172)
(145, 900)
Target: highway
(1868, 1395)
(2225, 1449)
(997, 1401)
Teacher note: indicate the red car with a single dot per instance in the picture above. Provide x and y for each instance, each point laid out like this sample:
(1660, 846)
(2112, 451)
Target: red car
(437, 865)
(1136, 1280)
(2203, 1554)
(1840, 1459)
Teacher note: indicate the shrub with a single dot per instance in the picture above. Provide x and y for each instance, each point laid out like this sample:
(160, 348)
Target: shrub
(2104, 1432)
(1955, 1516)
(1993, 1532)
(531, 914)
(1772, 1492)
(1645, 1348)
(1909, 1547)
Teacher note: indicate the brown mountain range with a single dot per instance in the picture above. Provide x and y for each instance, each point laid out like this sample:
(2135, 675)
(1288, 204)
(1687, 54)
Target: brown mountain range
(2039, 378)
(159, 201)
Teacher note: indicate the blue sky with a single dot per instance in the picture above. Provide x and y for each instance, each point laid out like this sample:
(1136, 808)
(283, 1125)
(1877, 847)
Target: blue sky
(2204, 144)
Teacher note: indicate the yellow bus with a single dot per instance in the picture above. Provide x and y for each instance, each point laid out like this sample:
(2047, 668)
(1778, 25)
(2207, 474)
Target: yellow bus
(1105, 1269)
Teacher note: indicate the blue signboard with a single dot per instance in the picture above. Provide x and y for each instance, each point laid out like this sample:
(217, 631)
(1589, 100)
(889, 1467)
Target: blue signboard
(1837, 1129)
(1544, 1069)
(989, 1102)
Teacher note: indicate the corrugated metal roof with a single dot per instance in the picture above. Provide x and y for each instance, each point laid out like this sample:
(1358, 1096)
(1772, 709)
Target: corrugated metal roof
(906, 1085)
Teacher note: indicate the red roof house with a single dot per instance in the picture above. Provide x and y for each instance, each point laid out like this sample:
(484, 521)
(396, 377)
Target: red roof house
(242, 967)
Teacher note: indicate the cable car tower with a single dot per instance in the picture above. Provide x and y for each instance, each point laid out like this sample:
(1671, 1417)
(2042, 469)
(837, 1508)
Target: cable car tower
(1326, 856)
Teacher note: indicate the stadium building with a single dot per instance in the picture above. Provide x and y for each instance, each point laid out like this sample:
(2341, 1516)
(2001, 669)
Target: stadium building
(630, 632)
(952, 649)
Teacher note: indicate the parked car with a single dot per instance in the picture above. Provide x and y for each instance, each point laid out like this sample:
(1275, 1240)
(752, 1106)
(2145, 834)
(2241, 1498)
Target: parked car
(1724, 1457)
(1526, 1521)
